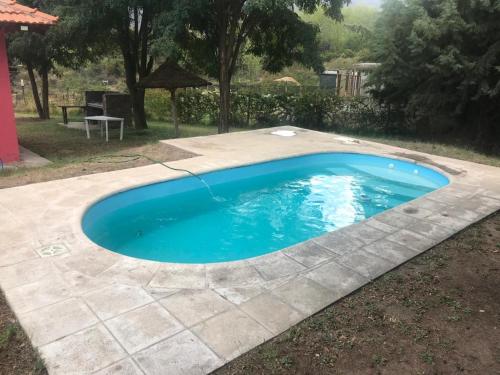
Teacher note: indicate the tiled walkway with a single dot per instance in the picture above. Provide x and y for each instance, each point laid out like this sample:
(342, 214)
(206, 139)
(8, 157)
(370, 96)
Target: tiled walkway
(92, 311)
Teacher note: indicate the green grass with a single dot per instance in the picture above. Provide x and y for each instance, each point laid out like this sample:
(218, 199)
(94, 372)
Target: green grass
(62, 145)
(451, 151)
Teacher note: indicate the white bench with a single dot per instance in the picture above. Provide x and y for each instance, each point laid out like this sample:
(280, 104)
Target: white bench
(103, 120)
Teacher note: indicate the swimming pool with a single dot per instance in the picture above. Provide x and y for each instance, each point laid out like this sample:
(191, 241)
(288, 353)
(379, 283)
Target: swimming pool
(253, 210)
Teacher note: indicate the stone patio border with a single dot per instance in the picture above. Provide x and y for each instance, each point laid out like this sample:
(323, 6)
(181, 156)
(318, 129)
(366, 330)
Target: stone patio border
(89, 310)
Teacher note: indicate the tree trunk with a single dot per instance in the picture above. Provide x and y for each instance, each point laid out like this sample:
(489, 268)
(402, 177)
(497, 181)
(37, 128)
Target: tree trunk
(45, 93)
(138, 107)
(174, 112)
(34, 89)
(225, 100)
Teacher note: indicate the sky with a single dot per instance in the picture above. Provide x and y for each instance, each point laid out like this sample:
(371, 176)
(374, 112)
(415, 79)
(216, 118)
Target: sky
(374, 3)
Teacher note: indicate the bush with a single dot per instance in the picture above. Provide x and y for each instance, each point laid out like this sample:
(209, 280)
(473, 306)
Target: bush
(308, 108)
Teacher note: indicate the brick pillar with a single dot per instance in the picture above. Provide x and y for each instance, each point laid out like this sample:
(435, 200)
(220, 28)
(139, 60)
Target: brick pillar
(9, 148)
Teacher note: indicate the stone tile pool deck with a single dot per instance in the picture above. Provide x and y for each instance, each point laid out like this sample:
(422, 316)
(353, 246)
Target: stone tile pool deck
(91, 311)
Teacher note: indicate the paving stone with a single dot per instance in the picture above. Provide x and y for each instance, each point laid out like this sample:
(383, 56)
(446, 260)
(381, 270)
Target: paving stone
(130, 271)
(46, 291)
(116, 299)
(414, 210)
(450, 222)
(381, 226)
(481, 204)
(341, 280)
(338, 242)
(18, 254)
(90, 262)
(363, 232)
(82, 352)
(305, 295)
(308, 253)
(238, 295)
(25, 272)
(80, 284)
(281, 318)
(412, 240)
(276, 265)
(183, 353)
(457, 211)
(396, 219)
(432, 230)
(143, 327)
(429, 205)
(232, 274)
(180, 276)
(125, 367)
(159, 293)
(191, 306)
(366, 264)
(55, 321)
(231, 333)
(391, 251)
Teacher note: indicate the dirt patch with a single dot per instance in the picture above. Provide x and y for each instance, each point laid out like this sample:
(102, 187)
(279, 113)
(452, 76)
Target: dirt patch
(437, 314)
(158, 151)
(17, 357)
(425, 159)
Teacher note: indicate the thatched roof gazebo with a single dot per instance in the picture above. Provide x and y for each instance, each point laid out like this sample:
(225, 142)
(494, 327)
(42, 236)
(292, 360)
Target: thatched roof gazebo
(171, 76)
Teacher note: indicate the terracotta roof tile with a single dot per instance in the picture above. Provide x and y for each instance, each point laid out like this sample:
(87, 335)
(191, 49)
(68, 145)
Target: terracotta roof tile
(13, 13)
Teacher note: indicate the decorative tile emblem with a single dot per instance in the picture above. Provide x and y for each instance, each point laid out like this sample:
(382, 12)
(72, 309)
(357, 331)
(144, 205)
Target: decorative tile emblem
(52, 250)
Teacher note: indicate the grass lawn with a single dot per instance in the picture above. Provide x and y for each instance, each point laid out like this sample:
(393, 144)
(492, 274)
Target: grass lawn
(451, 151)
(437, 314)
(72, 154)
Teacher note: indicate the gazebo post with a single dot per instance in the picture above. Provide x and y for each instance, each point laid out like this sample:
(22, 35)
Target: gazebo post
(9, 149)
(174, 112)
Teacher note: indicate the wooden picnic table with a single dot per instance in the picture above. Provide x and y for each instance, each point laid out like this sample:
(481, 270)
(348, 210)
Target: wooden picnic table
(64, 109)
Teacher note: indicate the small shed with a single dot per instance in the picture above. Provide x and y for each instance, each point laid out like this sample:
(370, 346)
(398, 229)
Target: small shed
(171, 76)
(14, 17)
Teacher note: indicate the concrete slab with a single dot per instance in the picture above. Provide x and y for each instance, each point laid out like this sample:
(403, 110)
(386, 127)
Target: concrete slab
(309, 253)
(276, 265)
(272, 313)
(125, 367)
(116, 299)
(338, 242)
(304, 295)
(143, 327)
(339, 279)
(183, 353)
(367, 264)
(191, 306)
(84, 352)
(231, 333)
(72, 316)
(73, 298)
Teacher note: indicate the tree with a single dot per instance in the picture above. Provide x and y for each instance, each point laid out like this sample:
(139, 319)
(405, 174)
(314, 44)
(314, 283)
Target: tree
(133, 26)
(440, 65)
(216, 32)
(66, 44)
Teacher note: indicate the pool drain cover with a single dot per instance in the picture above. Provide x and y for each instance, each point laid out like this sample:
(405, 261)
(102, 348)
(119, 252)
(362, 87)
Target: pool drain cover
(284, 133)
(52, 250)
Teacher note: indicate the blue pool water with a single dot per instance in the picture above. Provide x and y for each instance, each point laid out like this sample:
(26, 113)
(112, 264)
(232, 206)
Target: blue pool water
(258, 208)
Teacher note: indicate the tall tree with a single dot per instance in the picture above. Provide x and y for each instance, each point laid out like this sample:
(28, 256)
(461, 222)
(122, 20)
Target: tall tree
(216, 32)
(133, 26)
(69, 43)
(440, 65)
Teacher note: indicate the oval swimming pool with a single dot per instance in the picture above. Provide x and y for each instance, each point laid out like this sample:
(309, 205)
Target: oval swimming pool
(255, 209)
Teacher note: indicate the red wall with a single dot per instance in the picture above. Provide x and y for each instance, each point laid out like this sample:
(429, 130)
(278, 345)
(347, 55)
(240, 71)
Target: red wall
(9, 148)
